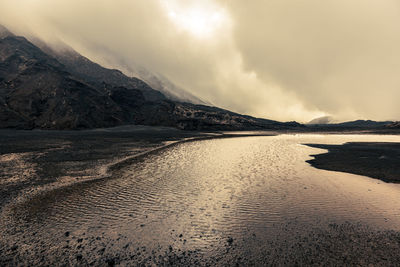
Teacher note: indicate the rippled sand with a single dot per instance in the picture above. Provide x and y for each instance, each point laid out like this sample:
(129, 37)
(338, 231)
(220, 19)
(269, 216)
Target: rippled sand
(238, 200)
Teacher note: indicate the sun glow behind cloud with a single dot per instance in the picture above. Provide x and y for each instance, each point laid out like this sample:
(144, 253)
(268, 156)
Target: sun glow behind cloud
(200, 19)
(274, 59)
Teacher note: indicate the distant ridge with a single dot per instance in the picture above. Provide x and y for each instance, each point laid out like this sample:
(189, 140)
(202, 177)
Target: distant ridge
(363, 123)
(327, 123)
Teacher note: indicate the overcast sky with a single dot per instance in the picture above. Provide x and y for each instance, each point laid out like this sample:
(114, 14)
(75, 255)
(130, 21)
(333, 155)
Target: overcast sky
(278, 59)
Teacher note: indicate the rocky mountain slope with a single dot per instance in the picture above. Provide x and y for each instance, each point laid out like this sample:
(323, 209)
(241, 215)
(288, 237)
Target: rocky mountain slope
(39, 91)
(169, 89)
(91, 71)
(95, 74)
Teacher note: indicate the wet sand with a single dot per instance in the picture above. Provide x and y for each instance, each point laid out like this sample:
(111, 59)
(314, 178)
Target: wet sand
(50, 160)
(33, 160)
(376, 160)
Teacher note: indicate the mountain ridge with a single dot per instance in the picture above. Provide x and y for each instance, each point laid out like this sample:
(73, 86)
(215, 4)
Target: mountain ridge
(328, 121)
(39, 91)
(82, 66)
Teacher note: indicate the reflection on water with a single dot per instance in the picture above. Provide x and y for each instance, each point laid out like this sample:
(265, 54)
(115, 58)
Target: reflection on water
(200, 192)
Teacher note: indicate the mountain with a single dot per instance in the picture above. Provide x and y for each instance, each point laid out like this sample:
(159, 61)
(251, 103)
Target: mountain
(40, 90)
(90, 71)
(4, 32)
(327, 123)
(95, 74)
(363, 124)
(321, 120)
(162, 84)
(36, 91)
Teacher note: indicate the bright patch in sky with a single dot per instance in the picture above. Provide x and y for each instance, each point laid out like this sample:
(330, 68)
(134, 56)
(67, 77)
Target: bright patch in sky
(200, 19)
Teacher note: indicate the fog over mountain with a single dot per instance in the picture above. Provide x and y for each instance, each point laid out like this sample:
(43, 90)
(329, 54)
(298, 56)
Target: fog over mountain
(81, 65)
(278, 59)
(48, 89)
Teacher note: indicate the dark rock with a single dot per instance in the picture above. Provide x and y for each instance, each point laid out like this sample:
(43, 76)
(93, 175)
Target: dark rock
(110, 262)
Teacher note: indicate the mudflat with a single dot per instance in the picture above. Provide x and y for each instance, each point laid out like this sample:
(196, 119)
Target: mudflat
(143, 196)
(379, 160)
(30, 160)
(43, 160)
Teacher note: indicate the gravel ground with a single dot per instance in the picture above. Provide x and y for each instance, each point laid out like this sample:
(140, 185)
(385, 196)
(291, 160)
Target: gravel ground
(336, 245)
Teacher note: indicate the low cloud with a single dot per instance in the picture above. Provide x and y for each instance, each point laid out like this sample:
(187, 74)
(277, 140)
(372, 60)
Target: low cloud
(277, 59)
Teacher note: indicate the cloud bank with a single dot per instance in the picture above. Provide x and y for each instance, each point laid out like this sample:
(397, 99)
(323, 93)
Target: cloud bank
(279, 59)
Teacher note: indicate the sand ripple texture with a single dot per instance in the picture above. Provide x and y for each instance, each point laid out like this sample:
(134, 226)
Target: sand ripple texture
(198, 195)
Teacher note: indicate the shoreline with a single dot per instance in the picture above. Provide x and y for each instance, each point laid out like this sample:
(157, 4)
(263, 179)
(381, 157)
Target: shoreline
(143, 139)
(165, 138)
(378, 160)
(104, 170)
(33, 234)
